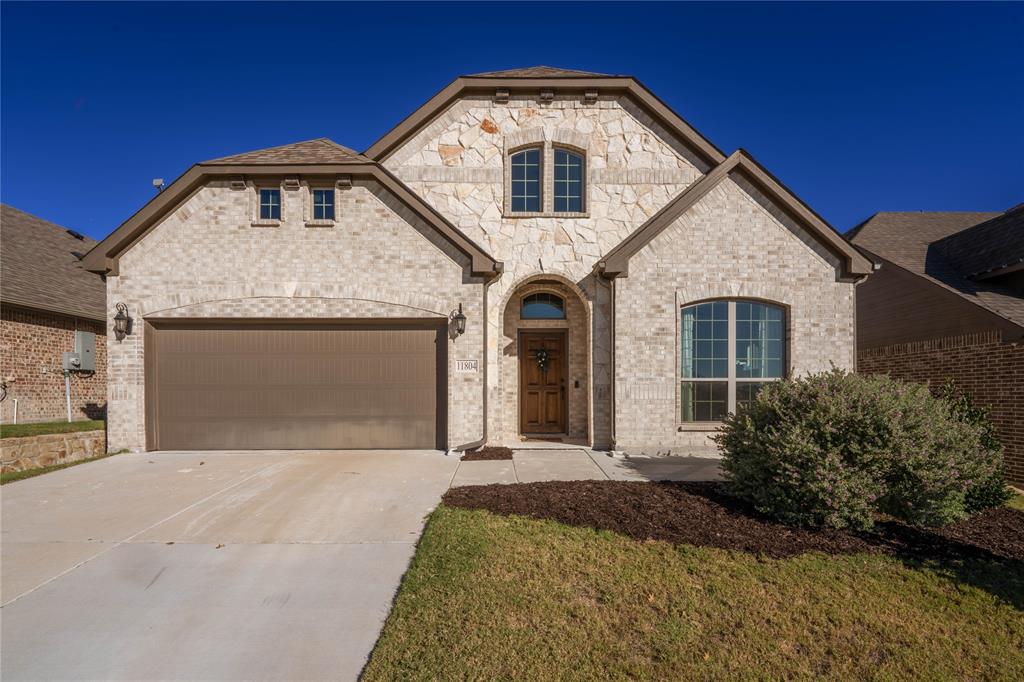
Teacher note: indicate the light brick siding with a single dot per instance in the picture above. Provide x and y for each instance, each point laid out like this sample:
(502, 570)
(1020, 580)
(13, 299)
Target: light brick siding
(206, 259)
(731, 244)
(32, 345)
(983, 365)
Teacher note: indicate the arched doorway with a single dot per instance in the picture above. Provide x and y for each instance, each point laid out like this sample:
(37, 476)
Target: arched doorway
(545, 361)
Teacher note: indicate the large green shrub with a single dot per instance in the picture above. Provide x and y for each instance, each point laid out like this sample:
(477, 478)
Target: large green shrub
(834, 449)
(991, 490)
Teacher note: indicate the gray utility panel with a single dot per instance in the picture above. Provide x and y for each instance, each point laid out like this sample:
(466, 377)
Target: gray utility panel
(84, 357)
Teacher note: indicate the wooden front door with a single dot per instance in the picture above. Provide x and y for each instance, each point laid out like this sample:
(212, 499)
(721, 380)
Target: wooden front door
(542, 389)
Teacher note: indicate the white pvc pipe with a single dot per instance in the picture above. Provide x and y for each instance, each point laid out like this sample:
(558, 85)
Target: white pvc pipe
(15, 410)
(67, 391)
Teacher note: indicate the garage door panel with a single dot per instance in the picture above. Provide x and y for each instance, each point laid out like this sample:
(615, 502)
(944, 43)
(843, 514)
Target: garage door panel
(283, 388)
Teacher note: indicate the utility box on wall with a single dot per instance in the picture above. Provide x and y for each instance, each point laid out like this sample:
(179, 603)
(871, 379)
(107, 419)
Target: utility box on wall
(84, 357)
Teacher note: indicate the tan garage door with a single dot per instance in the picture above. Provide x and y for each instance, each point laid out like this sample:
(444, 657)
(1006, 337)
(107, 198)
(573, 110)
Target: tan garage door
(282, 386)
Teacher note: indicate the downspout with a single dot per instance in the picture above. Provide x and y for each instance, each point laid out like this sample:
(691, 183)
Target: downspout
(611, 388)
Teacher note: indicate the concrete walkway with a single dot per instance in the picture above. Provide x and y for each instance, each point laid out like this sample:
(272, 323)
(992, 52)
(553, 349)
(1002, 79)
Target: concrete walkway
(225, 566)
(565, 464)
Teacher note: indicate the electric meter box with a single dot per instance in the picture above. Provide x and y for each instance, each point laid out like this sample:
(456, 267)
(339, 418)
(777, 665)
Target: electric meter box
(84, 357)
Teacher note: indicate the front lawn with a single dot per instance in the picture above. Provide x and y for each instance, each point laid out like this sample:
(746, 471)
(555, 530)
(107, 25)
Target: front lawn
(44, 428)
(495, 596)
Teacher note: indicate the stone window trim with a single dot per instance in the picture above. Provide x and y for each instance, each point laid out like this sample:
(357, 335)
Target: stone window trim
(569, 140)
(787, 336)
(307, 204)
(254, 203)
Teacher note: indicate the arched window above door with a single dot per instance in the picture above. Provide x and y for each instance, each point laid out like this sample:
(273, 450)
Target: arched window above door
(542, 306)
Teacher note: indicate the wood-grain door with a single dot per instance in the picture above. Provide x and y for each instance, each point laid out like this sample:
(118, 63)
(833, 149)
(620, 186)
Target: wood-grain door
(542, 384)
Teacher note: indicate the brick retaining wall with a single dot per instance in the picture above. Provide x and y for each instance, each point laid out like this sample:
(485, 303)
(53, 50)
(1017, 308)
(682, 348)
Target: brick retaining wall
(990, 369)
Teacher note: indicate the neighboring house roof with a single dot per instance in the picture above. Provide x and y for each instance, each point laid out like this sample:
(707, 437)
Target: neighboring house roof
(945, 248)
(320, 150)
(40, 267)
(537, 77)
(540, 72)
(988, 248)
(616, 261)
(292, 159)
(902, 237)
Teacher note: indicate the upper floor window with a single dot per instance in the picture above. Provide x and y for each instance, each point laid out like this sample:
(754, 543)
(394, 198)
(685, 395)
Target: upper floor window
(323, 204)
(270, 204)
(542, 306)
(569, 171)
(526, 184)
(729, 350)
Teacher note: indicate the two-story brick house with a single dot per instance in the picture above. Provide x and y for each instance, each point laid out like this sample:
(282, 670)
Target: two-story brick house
(535, 252)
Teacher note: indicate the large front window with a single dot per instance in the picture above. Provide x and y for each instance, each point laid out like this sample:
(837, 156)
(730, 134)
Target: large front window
(730, 349)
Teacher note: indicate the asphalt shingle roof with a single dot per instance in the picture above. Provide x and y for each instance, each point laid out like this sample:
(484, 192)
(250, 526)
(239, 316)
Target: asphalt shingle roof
(39, 268)
(539, 72)
(318, 151)
(944, 246)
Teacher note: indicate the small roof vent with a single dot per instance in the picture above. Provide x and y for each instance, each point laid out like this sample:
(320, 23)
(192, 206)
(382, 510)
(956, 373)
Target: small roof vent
(76, 235)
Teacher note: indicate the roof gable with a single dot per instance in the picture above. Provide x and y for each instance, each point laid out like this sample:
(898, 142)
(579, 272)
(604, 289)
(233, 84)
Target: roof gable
(616, 262)
(289, 160)
(39, 267)
(532, 80)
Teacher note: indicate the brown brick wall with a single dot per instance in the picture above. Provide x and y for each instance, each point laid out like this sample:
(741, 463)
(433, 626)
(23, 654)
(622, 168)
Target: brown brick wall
(985, 366)
(32, 345)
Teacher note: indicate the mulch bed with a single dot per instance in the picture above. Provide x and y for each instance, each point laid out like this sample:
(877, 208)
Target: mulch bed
(486, 454)
(703, 514)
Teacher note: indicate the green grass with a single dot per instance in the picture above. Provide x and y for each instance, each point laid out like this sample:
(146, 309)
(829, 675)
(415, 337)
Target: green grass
(12, 476)
(490, 597)
(43, 428)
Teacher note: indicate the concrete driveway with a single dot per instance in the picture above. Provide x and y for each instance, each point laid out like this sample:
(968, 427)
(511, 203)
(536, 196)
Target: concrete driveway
(276, 565)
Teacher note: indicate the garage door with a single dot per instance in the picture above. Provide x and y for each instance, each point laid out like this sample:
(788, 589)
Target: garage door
(282, 386)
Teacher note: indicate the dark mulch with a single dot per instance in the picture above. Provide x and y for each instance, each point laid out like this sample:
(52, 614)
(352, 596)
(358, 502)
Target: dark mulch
(486, 454)
(703, 514)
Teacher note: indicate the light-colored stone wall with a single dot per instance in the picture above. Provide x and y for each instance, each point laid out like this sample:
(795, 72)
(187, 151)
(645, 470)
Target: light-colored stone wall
(207, 259)
(732, 244)
(634, 167)
(32, 452)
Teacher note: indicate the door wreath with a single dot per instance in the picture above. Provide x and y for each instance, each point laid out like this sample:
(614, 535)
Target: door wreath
(542, 359)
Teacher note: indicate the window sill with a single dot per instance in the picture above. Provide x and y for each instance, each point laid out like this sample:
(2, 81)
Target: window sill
(319, 223)
(266, 223)
(546, 214)
(700, 426)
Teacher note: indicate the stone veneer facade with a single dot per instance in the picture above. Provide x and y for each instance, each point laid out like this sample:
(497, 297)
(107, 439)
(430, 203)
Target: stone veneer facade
(208, 259)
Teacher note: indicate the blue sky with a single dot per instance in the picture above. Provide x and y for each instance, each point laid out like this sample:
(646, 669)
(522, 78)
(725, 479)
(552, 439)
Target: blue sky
(856, 107)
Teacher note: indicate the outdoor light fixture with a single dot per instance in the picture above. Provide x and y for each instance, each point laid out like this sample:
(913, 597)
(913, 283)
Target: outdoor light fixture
(459, 319)
(122, 323)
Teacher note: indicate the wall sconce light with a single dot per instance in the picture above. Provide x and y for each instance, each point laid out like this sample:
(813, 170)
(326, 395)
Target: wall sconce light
(459, 319)
(122, 322)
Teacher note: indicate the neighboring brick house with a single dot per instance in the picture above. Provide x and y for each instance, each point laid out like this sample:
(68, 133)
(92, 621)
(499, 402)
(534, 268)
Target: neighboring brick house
(46, 296)
(532, 253)
(948, 303)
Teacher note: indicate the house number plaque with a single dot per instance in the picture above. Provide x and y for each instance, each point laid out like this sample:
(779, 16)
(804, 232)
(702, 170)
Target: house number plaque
(466, 366)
